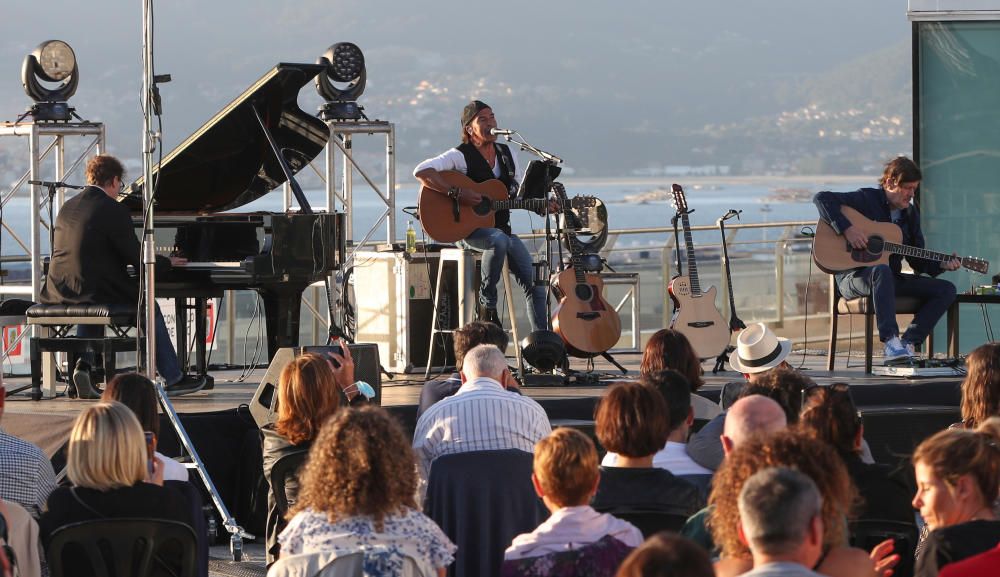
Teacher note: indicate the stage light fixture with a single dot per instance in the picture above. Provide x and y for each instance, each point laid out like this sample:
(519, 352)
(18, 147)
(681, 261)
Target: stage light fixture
(543, 350)
(52, 61)
(342, 83)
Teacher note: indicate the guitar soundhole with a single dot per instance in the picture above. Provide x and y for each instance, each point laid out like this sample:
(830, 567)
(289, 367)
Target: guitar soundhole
(584, 292)
(875, 244)
(483, 208)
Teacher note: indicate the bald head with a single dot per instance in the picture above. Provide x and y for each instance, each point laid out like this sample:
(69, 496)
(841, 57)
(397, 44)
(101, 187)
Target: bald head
(750, 416)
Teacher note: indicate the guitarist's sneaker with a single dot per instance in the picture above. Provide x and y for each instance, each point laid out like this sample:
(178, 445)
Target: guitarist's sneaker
(896, 352)
(910, 348)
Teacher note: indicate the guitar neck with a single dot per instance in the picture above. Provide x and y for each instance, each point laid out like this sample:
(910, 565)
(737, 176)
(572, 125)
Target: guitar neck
(528, 203)
(691, 261)
(905, 250)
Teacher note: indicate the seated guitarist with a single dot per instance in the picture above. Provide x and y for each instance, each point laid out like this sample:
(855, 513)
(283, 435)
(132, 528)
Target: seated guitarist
(891, 203)
(481, 158)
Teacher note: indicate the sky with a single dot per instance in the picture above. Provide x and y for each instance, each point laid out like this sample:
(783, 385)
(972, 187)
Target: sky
(651, 58)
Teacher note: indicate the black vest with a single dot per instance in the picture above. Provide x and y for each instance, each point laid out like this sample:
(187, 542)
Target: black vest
(479, 171)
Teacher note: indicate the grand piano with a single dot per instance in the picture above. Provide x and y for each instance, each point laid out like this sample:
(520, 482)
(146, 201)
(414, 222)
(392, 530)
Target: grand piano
(231, 160)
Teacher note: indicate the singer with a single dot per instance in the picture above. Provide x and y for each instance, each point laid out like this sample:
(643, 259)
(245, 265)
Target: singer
(481, 158)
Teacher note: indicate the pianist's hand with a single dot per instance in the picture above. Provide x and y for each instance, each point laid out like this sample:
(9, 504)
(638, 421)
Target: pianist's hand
(178, 261)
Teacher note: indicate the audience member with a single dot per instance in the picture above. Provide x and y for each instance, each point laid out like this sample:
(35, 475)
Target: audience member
(137, 392)
(781, 523)
(629, 423)
(781, 383)
(113, 476)
(20, 533)
(958, 473)
(813, 458)
(358, 491)
(667, 555)
(471, 335)
(26, 475)
(673, 457)
(981, 387)
(829, 414)
(483, 415)
(750, 417)
(309, 393)
(670, 349)
(565, 475)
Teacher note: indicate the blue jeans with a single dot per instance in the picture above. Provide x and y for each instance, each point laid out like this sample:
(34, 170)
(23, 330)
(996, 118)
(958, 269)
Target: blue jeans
(883, 286)
(496, 245)
(166, 358)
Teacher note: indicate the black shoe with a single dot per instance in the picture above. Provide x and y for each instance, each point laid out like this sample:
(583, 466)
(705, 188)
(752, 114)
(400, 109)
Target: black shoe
(188, 384)
(83, 383)
(489, 315)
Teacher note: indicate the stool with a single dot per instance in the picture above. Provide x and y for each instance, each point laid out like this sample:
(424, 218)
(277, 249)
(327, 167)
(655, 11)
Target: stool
(465, 263)
(55, 323)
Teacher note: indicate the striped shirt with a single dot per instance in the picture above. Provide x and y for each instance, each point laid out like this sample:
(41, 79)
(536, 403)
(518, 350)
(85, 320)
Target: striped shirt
(26, 475)
(481, 416)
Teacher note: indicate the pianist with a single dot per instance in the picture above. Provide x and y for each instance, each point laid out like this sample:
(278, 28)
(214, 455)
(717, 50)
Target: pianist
(94, 243)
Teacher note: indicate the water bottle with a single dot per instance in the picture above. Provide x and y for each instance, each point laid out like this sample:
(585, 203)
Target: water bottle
(411, 238)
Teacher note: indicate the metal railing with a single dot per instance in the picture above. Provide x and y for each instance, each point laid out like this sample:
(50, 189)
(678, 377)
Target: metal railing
(773, 280)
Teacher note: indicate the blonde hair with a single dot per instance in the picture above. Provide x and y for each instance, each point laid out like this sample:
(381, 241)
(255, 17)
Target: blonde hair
(107, 449)
(566, 466)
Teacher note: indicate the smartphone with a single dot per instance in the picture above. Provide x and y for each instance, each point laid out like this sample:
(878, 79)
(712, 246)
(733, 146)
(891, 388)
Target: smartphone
(150, 449)
(328, 351)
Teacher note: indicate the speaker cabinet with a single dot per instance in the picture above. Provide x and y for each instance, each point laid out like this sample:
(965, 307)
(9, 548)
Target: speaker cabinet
(265, 399)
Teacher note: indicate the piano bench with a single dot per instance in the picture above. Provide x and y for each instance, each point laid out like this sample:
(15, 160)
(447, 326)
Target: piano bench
(56, 323)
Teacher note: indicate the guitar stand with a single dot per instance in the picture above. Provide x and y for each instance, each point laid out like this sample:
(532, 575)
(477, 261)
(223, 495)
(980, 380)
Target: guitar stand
(722, 359)
(607, 356)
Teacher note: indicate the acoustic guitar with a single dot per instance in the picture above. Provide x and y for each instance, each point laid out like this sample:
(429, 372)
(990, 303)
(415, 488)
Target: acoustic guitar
(832, 253)
(695, 314)
(445, 220)
(587, 323)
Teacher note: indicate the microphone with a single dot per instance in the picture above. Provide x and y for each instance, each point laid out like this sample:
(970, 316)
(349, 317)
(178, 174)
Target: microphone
(55, 184)
(502, 131)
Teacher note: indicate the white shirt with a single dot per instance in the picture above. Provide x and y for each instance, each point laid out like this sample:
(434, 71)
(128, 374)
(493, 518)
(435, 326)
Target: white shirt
(453, 159)
(672, 457)
(481, 416)
(571, 528)
(172, 470)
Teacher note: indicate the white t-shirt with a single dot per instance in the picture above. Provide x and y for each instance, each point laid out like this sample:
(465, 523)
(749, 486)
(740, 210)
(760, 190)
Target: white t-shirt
(453, 159)
(672, 457)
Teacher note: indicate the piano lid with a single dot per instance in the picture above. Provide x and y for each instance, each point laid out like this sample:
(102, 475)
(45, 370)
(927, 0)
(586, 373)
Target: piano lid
(227, 162)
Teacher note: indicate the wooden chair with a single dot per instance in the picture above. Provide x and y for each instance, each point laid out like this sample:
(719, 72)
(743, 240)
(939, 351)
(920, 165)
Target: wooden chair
(860, 306)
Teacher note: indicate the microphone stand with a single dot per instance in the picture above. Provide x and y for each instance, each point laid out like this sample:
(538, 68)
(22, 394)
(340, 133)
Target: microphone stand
(523, 144)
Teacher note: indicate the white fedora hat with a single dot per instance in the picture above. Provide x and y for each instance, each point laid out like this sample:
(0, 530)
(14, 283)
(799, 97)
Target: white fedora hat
(758, 349)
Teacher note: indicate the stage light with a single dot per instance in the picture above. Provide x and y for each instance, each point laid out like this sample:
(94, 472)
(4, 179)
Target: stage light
(543, 350)
(345, 66)
(51, 61)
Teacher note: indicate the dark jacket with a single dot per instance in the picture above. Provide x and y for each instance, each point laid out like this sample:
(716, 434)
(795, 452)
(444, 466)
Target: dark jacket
(873, 203)
(94, 242)
(275, 447)
(652, 489)
(884, 495)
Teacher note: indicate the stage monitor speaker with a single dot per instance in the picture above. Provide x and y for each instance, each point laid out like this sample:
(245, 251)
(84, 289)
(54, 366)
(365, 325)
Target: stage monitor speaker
(366, 368)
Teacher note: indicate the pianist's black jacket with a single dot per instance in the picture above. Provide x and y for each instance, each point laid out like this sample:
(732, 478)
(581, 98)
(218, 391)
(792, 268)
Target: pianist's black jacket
(94, 242)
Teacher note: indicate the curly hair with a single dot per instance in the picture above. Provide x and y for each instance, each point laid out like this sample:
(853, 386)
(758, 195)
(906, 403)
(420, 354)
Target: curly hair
(629, 420)
(795, 450)
(103, 168)
(360, 464)
(981, 387)
(829, 414)
(308, 394)
(670, 349)
(900, 170)
(952, 453)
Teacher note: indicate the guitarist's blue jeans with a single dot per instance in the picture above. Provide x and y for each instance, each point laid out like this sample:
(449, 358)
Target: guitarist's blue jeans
(496, 245)
(883, 286)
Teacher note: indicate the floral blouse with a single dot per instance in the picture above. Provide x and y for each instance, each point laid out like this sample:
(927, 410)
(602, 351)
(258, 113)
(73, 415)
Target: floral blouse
(413, 532)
